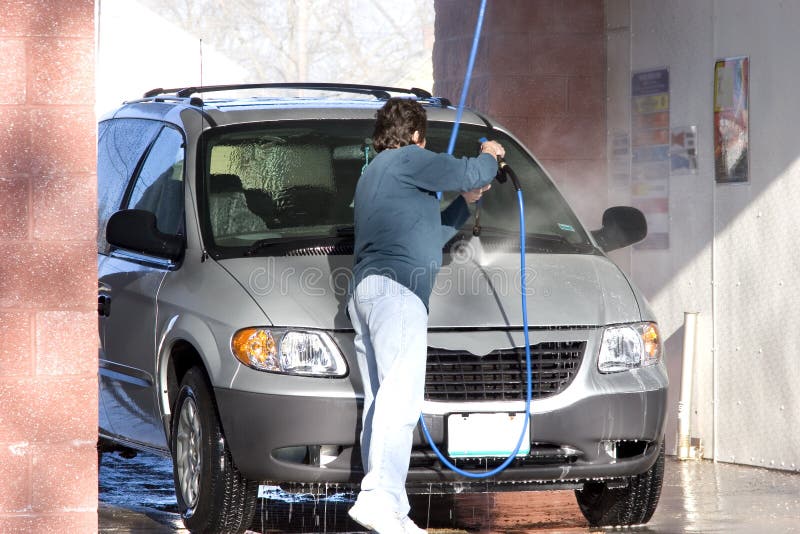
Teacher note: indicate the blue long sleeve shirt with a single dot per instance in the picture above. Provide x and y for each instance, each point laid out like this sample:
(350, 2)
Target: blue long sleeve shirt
(399, 228)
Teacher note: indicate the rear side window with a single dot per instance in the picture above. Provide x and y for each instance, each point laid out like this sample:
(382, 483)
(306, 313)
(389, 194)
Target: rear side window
(120, 147)
(158, 187)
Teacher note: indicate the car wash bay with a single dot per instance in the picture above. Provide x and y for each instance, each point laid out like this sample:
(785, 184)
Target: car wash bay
(639, 103)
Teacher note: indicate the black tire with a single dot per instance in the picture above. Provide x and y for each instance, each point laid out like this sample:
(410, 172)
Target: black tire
(212, 494)
(632, 505)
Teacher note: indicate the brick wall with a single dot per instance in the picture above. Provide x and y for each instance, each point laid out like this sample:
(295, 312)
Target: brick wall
(48, 322)
(540, 72)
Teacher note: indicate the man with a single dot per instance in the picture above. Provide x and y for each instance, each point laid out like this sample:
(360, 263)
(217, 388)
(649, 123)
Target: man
(399, 234)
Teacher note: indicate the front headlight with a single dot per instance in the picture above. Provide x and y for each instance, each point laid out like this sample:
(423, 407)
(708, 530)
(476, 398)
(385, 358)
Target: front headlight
(629, 347)
(293, 352)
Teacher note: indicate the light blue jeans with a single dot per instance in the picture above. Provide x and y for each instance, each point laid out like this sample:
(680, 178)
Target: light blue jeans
(391, 325)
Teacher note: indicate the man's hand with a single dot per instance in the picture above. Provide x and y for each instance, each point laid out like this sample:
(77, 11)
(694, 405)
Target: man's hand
(494, 148)
(475, 194)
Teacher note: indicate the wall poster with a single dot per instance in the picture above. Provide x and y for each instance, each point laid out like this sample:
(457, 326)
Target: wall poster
(731, 127)
(683, 150)
(650, 153)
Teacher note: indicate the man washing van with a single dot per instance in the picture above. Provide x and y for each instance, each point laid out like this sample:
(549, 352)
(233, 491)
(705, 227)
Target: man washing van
(399, 234)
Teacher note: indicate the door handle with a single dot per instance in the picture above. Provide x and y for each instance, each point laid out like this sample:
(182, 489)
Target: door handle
(103, 305)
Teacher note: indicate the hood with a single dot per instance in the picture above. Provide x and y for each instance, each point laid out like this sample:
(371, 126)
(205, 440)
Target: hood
(478, 291)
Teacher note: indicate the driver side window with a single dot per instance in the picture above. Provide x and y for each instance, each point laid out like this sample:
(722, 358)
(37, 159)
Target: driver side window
(158, 188)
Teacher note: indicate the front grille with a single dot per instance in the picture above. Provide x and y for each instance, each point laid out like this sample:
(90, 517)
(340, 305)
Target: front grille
(461, 376)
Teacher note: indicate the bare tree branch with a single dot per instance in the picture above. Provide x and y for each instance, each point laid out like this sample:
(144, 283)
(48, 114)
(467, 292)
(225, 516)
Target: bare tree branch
(299, 40)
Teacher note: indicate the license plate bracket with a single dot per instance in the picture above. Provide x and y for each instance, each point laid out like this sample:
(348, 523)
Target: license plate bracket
(486, 435)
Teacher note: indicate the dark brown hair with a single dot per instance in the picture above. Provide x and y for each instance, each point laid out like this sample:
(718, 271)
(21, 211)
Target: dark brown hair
(396, 122)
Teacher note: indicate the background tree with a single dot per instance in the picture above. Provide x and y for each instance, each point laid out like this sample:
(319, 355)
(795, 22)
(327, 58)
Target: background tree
(359, 41)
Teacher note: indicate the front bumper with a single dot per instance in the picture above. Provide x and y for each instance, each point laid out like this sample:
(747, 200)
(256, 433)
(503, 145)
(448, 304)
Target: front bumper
(259, 426)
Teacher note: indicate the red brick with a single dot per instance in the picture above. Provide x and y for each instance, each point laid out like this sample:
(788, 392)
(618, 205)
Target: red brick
(579, 16)
(47, 17)
(478, 97)
(451, 59)
(15, 476)
(510, 54)
(14, 208)
(61, 522)
(481, 66)
(58, 73)
(15, 141)
(568, 54)
(41, 61)
(528, 96)
(455, 18)
(66, 343)
(65, 140)
(12, 65)
(16, 354)
(517, 16)
(586, 95)
(518, 126)
(49, 410)
(52, 276)
(568, 138)
(64, 477)
(65, 207)
(447, 89)
(455, 25)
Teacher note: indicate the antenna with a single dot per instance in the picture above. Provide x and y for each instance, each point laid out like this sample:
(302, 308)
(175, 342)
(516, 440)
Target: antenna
(201, 62)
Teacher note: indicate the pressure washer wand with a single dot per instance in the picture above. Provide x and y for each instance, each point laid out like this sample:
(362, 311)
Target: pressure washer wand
(476, 228)
(504, 171)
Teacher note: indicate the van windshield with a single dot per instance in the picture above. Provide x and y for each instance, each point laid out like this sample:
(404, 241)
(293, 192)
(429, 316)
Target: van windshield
(271, 187)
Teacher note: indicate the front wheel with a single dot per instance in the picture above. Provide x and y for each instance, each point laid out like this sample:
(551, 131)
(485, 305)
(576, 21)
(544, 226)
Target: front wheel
(633, 505)
(212, 494)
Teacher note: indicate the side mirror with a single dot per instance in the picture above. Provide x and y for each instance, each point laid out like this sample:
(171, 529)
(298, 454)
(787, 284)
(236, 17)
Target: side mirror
(136, 230)
(622, 226)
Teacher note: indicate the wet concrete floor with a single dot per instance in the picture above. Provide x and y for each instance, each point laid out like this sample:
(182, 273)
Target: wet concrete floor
(136, 495)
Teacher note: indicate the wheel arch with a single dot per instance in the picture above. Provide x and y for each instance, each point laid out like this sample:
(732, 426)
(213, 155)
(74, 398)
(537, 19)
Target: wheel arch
(185, 343)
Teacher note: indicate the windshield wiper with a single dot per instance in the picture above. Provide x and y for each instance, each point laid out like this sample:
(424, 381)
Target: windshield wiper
(530, 235)
(347, 230)
(536, 236)
(263, 243)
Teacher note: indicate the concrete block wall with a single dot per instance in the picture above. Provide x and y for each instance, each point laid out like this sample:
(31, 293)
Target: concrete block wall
(48, 280)
(540, 71)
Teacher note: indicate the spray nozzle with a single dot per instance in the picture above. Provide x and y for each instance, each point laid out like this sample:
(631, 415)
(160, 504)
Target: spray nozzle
(504, 171)
(500, 176)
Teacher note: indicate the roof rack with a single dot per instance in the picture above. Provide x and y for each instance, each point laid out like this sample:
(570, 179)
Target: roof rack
(377, 91)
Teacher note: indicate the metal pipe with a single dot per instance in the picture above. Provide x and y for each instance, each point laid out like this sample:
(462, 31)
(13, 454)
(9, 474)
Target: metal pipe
(687, 374)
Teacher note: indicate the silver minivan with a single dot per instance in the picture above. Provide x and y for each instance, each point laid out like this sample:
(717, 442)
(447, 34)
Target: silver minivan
(225, 239)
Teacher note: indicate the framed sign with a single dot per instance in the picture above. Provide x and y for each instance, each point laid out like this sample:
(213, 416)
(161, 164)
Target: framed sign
(731, 127)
